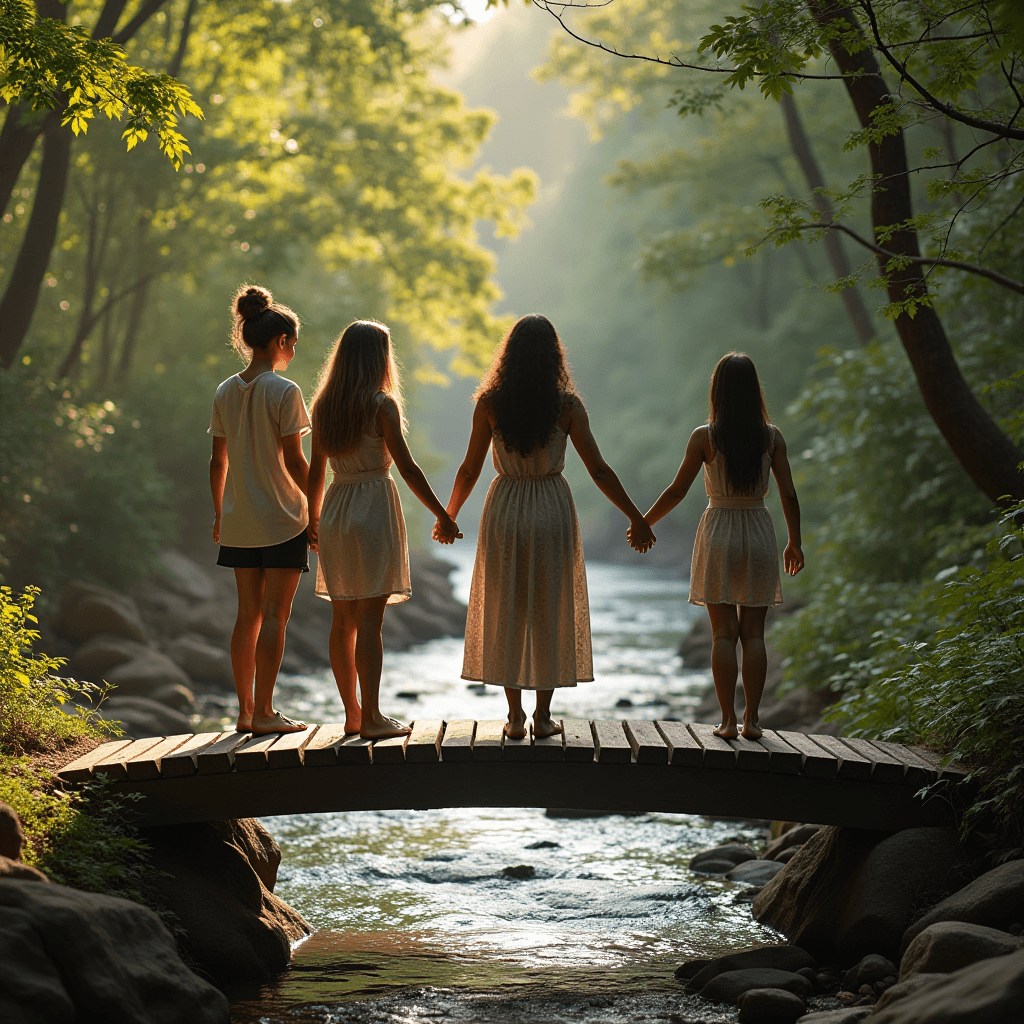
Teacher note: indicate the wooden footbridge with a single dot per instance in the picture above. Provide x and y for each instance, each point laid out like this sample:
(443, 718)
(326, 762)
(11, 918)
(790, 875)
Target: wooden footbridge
(602, 766)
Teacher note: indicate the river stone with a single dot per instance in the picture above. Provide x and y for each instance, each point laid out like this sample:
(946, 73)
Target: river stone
(754, 872)
(213, 619)
(11, 868)
(988, 992)
(713, 867)
(995, 899)
(792, 837)
(731, 853)
(422, 623)
(690, 969)
(179, 698)
(871, 969)
(189, 579)
(847, 1015)
(770, 1004)
(202, 661)
(145, 673)
(103, 652)
(236, 929)
(804, 902)
(880, 900)
(12, 838)
(785, 856)
(85, 610)
(730, 985)
(777, 958)
(949, 945)
(906, 988)
(67, 955)
(140, 716)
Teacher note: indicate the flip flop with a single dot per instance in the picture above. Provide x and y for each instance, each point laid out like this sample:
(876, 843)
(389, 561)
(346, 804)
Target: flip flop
(282, 723)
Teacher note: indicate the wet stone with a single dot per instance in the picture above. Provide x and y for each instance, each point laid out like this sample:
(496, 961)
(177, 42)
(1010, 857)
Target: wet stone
(519, 871)
(770, 1004)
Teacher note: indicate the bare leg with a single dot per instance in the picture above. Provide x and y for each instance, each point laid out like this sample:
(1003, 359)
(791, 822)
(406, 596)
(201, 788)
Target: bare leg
(543, 725)
(249, 583)
(725, 629)
(515, 727)
(278, 591)
(342, 650)
(369, 658)
(755, 666)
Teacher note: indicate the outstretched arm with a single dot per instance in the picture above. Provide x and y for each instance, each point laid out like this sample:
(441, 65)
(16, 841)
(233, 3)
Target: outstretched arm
(793, 556)
(469, 471)
(688, 470)
(315, 492)
(218, 478)
(639, 533)
(390, 424)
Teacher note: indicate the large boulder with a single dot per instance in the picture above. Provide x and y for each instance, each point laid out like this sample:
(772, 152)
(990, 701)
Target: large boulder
(777, 958)
(989, 992)
(182, 575)
(235, 928)
(847, 1015)
(140, 716)
(69, 956)
(176, 697)
(949, 945)
(84, 610)
(146, 673)
(995, 899)
(256, 844)
(202, 661)
(772, 1005)
(729, 986)
(103, 652)
(10, 868)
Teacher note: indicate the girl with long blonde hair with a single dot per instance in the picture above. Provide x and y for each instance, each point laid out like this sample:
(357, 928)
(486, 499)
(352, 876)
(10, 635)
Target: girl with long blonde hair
(359, 535)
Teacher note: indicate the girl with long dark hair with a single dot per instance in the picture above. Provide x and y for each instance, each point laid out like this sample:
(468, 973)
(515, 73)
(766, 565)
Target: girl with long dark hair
(735, 567)
(528, 626)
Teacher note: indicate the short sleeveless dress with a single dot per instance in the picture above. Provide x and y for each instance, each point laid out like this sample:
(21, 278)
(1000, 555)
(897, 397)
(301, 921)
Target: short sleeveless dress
(528, 625)
(735, 555)
(363, 547)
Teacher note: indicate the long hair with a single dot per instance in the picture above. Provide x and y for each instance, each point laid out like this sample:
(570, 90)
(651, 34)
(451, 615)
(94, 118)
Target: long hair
(527, 383)
(739, 419)
(360, 364)
(259, 319)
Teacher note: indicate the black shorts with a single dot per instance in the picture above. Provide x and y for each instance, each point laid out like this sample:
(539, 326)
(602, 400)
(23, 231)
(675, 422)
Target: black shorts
(292, 554)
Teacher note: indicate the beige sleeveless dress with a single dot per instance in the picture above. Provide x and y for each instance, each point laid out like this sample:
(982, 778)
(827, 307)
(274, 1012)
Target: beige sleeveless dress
(735, 555)
(528, 625)
(363, 547)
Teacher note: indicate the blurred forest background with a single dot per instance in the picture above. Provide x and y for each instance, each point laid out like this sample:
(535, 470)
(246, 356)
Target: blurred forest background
(390, 159)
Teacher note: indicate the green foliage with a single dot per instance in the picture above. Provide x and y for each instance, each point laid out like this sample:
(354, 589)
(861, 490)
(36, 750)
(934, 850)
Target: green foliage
(48, 65)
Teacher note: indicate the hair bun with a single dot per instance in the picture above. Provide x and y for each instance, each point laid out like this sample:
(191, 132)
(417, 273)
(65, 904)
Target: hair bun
(252, 302)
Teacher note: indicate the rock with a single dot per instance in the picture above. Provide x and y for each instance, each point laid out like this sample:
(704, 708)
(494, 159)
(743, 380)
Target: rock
(770, 1004)
(395, 634)
(785, 711)
(731, 853)
(201, 661)
(755, 872)
(235, 929)
(95, 658)
(847, 1015)
(214, 620)
(811, 975)
(421, 623)
(989, 992)
(309, 641)
(67, 955)
(140, 716)
(519, 871)
(84, 610)
(256, 844)
(146, 673)
(995, 899)
(785, 856)
(177, 697)
(713, 867)
(906, 988)
(185, 577)
(779, 958)
(12, 838)
(871, 969)
(949, 945)
(690, 969)
(13, 868)
(792, 837)
(730, 985)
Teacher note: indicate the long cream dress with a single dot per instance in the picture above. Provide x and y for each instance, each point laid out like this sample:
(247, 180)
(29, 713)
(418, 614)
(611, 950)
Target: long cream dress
(363, 548)
(735, 555)
(528, 625)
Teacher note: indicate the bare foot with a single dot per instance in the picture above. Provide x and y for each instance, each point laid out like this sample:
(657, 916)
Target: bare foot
(262, 725)
(244, 724)
(752, 731)
(382, 728)
(515, 727)
(353, 722)
(545, 725)
(727, 730)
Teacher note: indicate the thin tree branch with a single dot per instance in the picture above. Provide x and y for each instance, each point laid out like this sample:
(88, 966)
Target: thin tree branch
(144, 13)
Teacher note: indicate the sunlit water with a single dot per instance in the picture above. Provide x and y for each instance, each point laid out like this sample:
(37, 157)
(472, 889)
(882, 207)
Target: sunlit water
(418, 918)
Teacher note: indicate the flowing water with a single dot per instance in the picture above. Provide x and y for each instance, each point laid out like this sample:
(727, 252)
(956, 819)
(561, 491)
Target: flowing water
(421, 920)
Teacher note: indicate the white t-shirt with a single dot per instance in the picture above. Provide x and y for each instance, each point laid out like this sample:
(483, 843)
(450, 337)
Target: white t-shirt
(262, 504)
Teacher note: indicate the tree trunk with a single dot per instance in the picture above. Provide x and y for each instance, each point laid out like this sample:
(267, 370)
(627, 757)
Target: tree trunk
(131, 331)
(985, 452)
(19, 301)
(17, 139)
(853, 303)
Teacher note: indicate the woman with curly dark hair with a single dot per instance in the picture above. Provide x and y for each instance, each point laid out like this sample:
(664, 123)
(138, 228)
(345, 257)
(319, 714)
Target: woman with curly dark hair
(528, 626)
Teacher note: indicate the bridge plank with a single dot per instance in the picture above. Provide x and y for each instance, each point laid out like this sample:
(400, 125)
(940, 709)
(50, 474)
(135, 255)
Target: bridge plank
(851, 764)
(517, 750)
(717, 752)
(181, 762)
(322, 747)
(783, 759)
(817, 762)
(81, 768)
(887, 769)
(487, 739)
(147, 764)
(457, 744)
(683, 749)
(919, 772)
(610, 743)
(389, 751)
(113, 764)
(251, 756)
(546, 748)
(578, 739)
(353, 749)
(750, 755)
(646, 743)
(287, 751)
(955, 771)
(219, 757)
(425, 741)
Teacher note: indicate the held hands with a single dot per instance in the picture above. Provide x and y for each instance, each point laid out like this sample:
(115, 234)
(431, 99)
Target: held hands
(792, 559)
(640, 536)
(313, 535)
(446, 530)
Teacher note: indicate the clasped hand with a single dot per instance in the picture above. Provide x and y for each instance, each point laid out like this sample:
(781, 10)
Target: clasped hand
(446, 530)
(640, 536)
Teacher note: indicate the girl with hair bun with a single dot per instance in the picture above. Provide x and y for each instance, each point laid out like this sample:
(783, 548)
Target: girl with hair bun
(258, 480)
(359, 535)
(735, 567)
